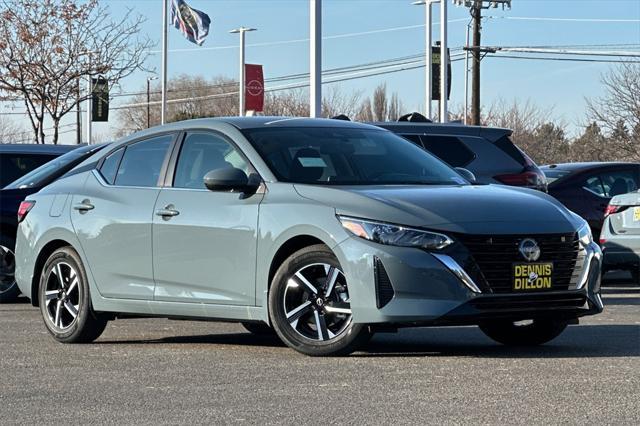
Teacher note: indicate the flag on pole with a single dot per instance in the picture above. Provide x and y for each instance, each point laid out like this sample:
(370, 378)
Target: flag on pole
(192, 23)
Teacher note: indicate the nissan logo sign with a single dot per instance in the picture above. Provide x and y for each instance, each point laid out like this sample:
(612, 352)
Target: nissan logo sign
(529, 249)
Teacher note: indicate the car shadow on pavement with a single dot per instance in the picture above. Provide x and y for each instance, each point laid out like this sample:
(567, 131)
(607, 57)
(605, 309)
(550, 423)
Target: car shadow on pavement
(583, 341)
(240, 339)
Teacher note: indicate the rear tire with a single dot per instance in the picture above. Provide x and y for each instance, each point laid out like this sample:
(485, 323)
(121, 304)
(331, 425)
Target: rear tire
(65, 301)
(259, 328)
(309, 305)
(9, 290)
(535, 333)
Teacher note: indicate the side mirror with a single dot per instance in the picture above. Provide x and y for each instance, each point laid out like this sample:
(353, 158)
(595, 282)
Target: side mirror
(467, 174)
(230, 179)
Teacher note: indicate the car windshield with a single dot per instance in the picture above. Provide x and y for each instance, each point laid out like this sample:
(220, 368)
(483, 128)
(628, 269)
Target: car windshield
(348, 156)
(60, 164)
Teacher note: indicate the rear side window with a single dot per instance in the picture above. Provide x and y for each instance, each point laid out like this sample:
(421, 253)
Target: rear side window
(507, 146)
(415, 139)
(14, 166)
(110, 165)
(449, 149)
(612, 183)
(142, 162)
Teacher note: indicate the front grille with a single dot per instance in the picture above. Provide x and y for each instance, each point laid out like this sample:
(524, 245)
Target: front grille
(496, 254)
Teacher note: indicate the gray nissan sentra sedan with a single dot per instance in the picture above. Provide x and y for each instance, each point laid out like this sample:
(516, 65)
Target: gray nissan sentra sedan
(321, 231)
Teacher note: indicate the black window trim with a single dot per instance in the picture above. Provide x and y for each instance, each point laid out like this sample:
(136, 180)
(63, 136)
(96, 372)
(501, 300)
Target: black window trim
(165, 162)
(172, 162)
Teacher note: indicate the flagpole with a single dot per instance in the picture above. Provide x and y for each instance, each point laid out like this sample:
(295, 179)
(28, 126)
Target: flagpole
(164, 62)
(315, 58)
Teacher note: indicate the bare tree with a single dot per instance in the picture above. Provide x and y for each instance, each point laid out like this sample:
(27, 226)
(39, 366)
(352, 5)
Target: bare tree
(12, 132)
(188, 97)
(619, 108)
(379, 103)
(47, 46)
(336, 102)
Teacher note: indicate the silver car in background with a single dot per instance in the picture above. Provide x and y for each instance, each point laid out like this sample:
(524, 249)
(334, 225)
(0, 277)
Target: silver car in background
(620, 236)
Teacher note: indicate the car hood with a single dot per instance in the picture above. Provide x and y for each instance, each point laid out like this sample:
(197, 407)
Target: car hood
(476, 209)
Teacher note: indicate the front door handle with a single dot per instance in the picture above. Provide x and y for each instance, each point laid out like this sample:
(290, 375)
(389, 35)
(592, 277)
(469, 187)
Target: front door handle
(83, 206)
(167, 212)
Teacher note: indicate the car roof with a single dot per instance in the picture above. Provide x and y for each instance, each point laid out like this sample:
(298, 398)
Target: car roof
(33, 148)
(264, 122)
(452, 128)
(575, 167)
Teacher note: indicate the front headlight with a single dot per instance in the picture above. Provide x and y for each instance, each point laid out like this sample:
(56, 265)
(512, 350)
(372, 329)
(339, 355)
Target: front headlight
(584, 234)
(394, 235)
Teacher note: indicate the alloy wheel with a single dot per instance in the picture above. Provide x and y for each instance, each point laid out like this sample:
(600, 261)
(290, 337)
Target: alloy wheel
(7, 269)
(316, 302)
(62, 296)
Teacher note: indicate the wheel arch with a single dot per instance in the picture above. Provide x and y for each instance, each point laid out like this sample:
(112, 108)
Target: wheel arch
(43, 255)
(289, 247)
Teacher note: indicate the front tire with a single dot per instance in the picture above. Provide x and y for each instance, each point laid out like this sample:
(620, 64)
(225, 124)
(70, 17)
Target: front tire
(65, 301)
(9, 290)
(309, 305)
(536, 332)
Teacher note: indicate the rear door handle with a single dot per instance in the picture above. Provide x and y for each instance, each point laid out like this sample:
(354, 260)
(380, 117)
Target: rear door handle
(83, 206)
(167, 212)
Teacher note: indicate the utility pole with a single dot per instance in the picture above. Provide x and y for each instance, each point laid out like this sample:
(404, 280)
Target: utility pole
(241, 82)
(475, 9)
(89, 107)
(163, 86)
(149, 80)
(476, 16)
(78, 115)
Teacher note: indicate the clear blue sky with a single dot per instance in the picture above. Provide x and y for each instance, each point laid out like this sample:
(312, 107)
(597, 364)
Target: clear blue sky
(560, 84)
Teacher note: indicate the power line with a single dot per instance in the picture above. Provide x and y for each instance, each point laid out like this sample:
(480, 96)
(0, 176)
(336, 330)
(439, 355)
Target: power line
(528, 18)
(541, 58)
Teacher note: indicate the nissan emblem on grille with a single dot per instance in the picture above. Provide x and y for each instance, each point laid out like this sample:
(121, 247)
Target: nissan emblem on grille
(529, 249)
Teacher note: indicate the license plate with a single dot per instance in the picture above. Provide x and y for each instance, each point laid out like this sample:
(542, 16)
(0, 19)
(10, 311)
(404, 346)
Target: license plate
(532, 276)
(636, 214)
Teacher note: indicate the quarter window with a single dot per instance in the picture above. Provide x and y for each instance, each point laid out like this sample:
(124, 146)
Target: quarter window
(109, 166)
(202, 153)
(142, 162)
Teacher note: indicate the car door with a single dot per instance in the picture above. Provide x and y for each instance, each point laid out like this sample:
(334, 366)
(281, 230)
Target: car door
(204, 242)
(112, 217)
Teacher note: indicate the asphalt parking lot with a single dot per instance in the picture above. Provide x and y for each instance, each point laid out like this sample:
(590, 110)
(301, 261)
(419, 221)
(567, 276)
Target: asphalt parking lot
(147, 371)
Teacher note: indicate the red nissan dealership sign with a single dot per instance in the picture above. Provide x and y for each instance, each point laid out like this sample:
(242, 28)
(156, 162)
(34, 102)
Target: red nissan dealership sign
(254, 87)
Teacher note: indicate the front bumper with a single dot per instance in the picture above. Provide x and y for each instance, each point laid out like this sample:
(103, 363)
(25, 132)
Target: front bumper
(429, 291)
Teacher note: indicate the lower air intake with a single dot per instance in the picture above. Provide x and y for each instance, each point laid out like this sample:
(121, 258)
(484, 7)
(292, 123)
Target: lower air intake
(384, 289)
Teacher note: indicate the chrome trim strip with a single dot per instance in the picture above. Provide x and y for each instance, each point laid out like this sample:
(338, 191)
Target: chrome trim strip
(457, 270)
(593, 251)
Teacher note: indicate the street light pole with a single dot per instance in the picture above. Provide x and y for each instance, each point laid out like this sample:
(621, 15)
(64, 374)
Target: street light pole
(241, 82)
(428, 56)
(149, 79)
(163, 106)
(466, 76)
(315, 58)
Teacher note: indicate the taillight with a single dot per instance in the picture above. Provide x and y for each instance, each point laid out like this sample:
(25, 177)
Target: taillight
(613, 209)
(25, 207)
(526, 178)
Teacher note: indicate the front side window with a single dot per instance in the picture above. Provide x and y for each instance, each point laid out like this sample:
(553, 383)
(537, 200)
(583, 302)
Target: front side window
(348, 156)
(142, 162)
(201, 153)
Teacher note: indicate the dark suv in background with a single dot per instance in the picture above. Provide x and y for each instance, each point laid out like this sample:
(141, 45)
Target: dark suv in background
(16, 160)
(487, 152)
